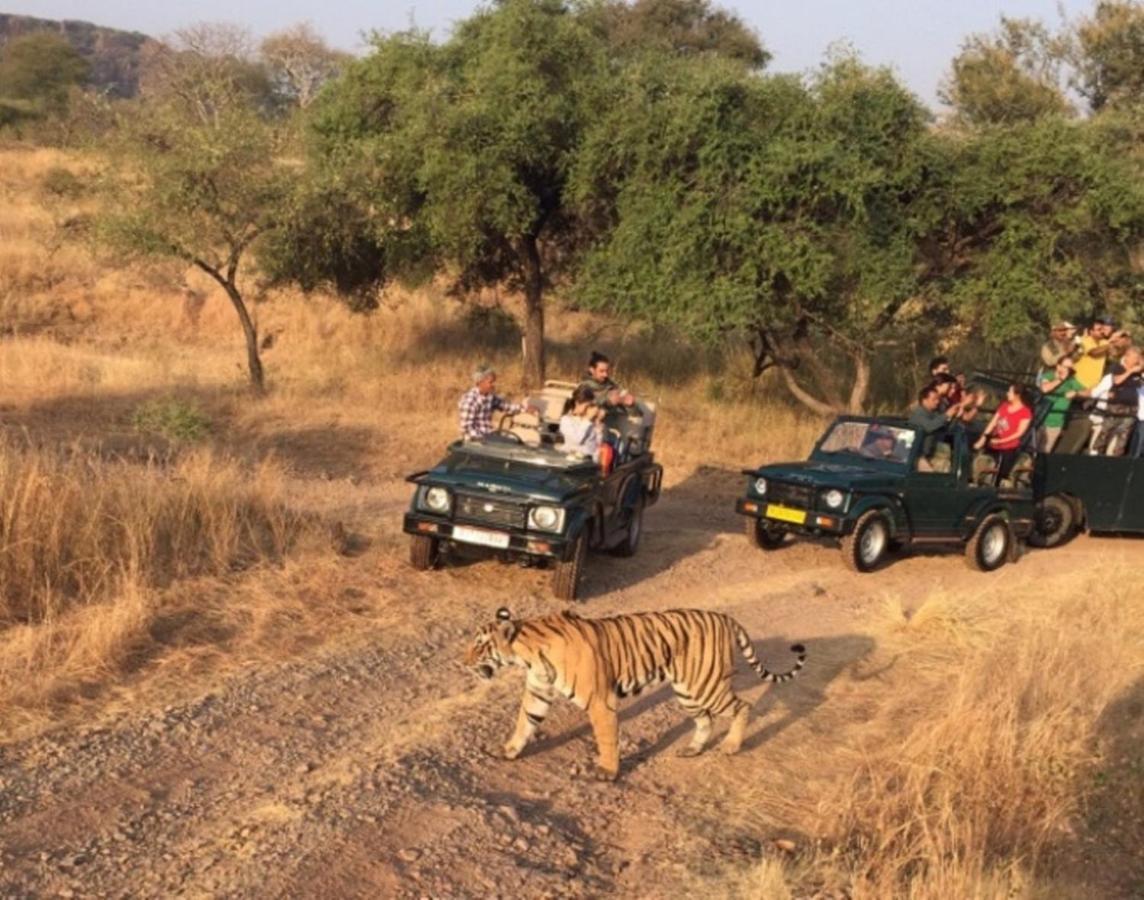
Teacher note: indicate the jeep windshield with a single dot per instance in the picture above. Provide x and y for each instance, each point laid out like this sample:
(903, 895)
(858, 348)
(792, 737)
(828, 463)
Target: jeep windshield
(855, 443)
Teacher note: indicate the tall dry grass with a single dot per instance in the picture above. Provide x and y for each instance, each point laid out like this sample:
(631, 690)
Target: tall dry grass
(975, 770)
(75, 529)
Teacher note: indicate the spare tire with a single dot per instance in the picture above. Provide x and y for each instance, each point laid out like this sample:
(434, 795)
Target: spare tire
(1055, 522)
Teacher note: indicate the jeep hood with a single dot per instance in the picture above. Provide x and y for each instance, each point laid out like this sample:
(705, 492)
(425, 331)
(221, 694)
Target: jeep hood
(509, 479)
(874, 476)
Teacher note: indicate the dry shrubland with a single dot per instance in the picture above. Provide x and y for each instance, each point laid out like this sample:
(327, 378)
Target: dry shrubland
(967, 772)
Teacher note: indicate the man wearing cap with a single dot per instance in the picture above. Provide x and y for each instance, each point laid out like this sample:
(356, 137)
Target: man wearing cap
(1094, 347)
(1060, 345)
(479, 402)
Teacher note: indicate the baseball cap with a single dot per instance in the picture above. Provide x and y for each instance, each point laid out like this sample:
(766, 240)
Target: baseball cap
(1064, 325)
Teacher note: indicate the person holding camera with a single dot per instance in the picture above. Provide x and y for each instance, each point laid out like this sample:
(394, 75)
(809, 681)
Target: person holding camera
(1095, 346)
(1061, 345)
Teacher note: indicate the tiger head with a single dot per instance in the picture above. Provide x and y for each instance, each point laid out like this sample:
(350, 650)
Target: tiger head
(492, 647)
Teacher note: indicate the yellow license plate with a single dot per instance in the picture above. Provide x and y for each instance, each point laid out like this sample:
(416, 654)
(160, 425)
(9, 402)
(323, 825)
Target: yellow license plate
(786, 514)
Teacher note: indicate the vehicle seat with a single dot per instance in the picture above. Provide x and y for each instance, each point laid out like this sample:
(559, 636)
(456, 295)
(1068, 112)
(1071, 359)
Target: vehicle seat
(984, 469)
(942, 459)
(631, 428)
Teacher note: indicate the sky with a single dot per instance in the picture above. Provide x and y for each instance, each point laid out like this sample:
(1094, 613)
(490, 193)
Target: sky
(918, 38)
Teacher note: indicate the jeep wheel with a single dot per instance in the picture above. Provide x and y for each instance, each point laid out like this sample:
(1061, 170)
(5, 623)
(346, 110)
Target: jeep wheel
(764, 535)
(866, 546)
(1054, 524)
(422, 552)
(631, 542)
(566, 579)
(988, 549)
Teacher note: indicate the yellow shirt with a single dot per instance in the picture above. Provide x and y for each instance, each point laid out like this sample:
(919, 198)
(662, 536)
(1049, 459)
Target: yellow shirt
(1090, 369)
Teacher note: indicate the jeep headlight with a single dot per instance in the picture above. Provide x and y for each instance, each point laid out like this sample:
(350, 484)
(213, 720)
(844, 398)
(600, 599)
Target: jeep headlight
(760, 486)
(546, 518)
(834, 498)
(437, 499)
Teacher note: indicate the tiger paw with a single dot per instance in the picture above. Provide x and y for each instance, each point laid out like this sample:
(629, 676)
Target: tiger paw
(511, 751)
(729, 749)
(603, 774)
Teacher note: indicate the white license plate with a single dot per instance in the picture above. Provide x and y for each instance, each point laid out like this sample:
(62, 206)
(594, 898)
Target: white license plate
(480, 536)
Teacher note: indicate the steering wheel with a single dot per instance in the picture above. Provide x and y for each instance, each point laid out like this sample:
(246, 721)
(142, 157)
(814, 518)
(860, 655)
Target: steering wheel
(503, 430)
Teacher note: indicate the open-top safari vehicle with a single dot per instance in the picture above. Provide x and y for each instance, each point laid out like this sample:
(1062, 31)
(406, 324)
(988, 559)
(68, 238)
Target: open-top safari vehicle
(872, 484)
(517, 493)
(1074, 490)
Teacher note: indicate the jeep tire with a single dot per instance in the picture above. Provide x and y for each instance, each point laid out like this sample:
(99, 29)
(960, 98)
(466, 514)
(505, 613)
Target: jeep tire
(989, 547)
(566, 578)
(763, 535)
(423, 552)
(631, 542)
(866, 546)
(1055, 522)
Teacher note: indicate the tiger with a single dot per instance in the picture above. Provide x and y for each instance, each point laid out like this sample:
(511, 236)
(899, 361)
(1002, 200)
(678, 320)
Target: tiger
(596, 662)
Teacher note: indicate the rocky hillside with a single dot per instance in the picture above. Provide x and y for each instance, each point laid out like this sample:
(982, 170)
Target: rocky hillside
(114, 55)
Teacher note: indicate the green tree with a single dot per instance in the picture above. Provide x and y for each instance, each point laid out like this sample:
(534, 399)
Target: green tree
(1041, 221)
(41, 68)
(763, 207)
(686, 27)
(1012, 76)
(1108, 54)
(461, 151)
(196, 175)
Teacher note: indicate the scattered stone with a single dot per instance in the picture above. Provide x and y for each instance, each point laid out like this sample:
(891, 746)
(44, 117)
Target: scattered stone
(785, 845)
(509, 813)
(543, 830)
(409, 854)
(521, 845)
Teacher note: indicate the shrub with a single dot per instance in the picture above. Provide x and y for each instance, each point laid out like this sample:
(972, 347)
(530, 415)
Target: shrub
(174, 419)
(62, 183)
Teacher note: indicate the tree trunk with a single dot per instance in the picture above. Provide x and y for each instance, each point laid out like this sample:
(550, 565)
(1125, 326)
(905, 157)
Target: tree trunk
(804, 397)
(250, 332)
(533, 342)
(861, 384)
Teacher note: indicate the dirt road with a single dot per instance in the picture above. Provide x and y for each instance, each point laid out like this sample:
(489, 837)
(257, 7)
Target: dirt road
(363, 769)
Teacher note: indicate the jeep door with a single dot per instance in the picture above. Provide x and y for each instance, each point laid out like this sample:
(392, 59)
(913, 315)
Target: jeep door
(938, 493)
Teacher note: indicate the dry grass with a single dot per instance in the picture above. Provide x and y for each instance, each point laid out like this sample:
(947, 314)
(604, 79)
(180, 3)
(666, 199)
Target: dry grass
(974, 771)
(77, 529)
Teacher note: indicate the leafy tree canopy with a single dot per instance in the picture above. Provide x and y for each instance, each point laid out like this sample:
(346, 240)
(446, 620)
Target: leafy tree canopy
(41, 67)
(1009, 77)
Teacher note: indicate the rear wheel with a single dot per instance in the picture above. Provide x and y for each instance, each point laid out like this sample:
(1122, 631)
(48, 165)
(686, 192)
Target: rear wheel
(631, 541)
(866, 546)
(566, 578)
(423, 552)
(1055, 522)
(764, 535)
(990, 545)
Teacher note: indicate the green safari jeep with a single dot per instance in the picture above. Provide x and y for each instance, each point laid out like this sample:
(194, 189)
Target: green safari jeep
(875, 484)
(518, 494)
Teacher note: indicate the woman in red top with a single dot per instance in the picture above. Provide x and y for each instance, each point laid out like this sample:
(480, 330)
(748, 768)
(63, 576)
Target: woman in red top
(1006, 430)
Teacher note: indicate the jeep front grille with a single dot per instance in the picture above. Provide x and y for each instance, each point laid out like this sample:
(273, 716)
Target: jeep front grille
(790, 494)
(491, 512)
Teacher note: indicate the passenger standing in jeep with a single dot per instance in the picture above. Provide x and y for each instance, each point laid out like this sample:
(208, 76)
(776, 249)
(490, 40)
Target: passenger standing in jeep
(599, 382)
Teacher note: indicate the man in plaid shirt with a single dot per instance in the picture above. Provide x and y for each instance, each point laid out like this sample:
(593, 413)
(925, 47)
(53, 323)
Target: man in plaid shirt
(478, 403)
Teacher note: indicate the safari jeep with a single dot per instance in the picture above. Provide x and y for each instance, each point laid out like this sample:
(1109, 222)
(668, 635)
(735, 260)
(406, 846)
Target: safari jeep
(869, 487)
(518, 494)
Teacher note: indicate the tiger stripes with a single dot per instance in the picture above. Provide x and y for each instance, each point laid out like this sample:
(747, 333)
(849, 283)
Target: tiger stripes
(596, 662)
